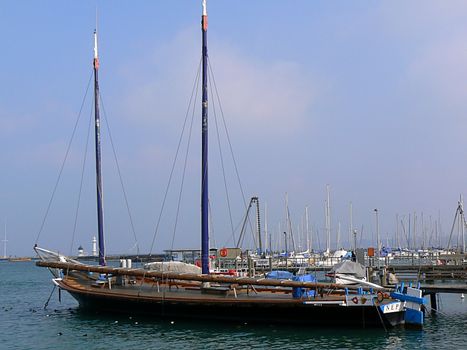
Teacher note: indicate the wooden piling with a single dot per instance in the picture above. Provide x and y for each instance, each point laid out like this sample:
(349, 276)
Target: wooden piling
(433, 301)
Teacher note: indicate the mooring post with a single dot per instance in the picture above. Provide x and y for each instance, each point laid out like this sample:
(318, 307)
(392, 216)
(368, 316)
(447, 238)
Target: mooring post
(384, 276)
(434, 304)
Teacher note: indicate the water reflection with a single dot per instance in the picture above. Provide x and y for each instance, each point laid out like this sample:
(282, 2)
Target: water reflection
(24, 324)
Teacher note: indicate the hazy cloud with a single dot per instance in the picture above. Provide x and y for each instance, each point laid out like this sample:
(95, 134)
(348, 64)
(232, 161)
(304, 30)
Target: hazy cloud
(254, 93)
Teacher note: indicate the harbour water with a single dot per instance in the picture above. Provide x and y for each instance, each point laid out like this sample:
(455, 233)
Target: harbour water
(25, 324)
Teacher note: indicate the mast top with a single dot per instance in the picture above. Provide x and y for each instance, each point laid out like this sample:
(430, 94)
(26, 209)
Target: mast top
(205, 12)
(95, 43)
(204, 20)
(96, 57)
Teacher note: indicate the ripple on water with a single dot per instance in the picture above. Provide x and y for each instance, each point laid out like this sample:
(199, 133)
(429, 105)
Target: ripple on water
(24, 324)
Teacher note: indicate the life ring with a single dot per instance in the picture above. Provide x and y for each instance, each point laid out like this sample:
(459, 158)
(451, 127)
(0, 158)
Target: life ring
(380, 297)
(223, 252)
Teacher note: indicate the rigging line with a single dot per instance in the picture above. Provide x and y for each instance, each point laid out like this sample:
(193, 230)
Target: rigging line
(242, 232)
(81, 183)
(212, 239)
(183, 176)
(252, 234)
(452, 228)
(228, 136)
(317, 238)
(403, 231)
(241, 239)
(64, 161)
(437, 311)
(229, 142)
(106, 119)
(50, 297)
(222, 162)
(361, 237)
(195, 86)
(240, 222)
(381, 318)
(252, 231)
(290, 228)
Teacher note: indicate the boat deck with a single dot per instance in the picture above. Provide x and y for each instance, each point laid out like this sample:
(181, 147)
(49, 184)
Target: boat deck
(155, 290)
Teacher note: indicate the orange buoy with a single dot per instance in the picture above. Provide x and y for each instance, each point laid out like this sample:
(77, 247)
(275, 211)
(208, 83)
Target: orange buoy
(223, 252)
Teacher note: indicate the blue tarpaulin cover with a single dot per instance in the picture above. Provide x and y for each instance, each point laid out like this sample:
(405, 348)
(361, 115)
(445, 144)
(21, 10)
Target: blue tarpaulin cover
(280, 275)
(298, 292)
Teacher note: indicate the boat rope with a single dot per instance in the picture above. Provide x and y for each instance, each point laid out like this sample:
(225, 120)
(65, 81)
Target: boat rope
(317, 238)
(289, 220)
(50, 296)
(380, 317)
(117, 164)
(180, 193)
(212, 238)
(435, 310)
(245, 220)
(227, 196)
(361, 237)
(228, 137)
(226, 130)
(81, 183)
(64, 161)
(193, 92)
(452, 228)
(404, 232)
(419, 274)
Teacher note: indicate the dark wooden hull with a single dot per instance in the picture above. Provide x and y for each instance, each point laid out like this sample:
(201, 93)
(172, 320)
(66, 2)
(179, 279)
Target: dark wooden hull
(264, 312)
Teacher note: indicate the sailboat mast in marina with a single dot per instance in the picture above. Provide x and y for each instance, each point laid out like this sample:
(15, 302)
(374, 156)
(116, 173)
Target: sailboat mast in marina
(204, 147)
(97, 135)
(328, 221)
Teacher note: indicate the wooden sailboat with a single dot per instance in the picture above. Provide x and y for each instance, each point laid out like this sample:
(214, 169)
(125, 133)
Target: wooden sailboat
(218, 297)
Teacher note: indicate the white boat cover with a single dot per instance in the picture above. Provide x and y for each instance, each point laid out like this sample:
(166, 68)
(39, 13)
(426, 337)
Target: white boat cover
(349, 268)
(173, 266)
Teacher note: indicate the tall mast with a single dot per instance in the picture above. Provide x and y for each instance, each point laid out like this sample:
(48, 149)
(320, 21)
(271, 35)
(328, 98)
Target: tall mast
(308, 241)
(378, 244)
(4, 243)
(328, 221)
(97, 129)
(258, 225)
(204, 149)
(350, 225)
(462, 224)
(397, 232)
(289, 221)
(266, 227)
(338, 235)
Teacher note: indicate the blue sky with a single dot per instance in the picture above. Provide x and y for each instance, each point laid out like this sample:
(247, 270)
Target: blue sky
(368, 97)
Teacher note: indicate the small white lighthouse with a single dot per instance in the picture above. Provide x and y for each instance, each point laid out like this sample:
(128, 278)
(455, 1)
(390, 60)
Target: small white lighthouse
(80, 251)
(94, 246)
